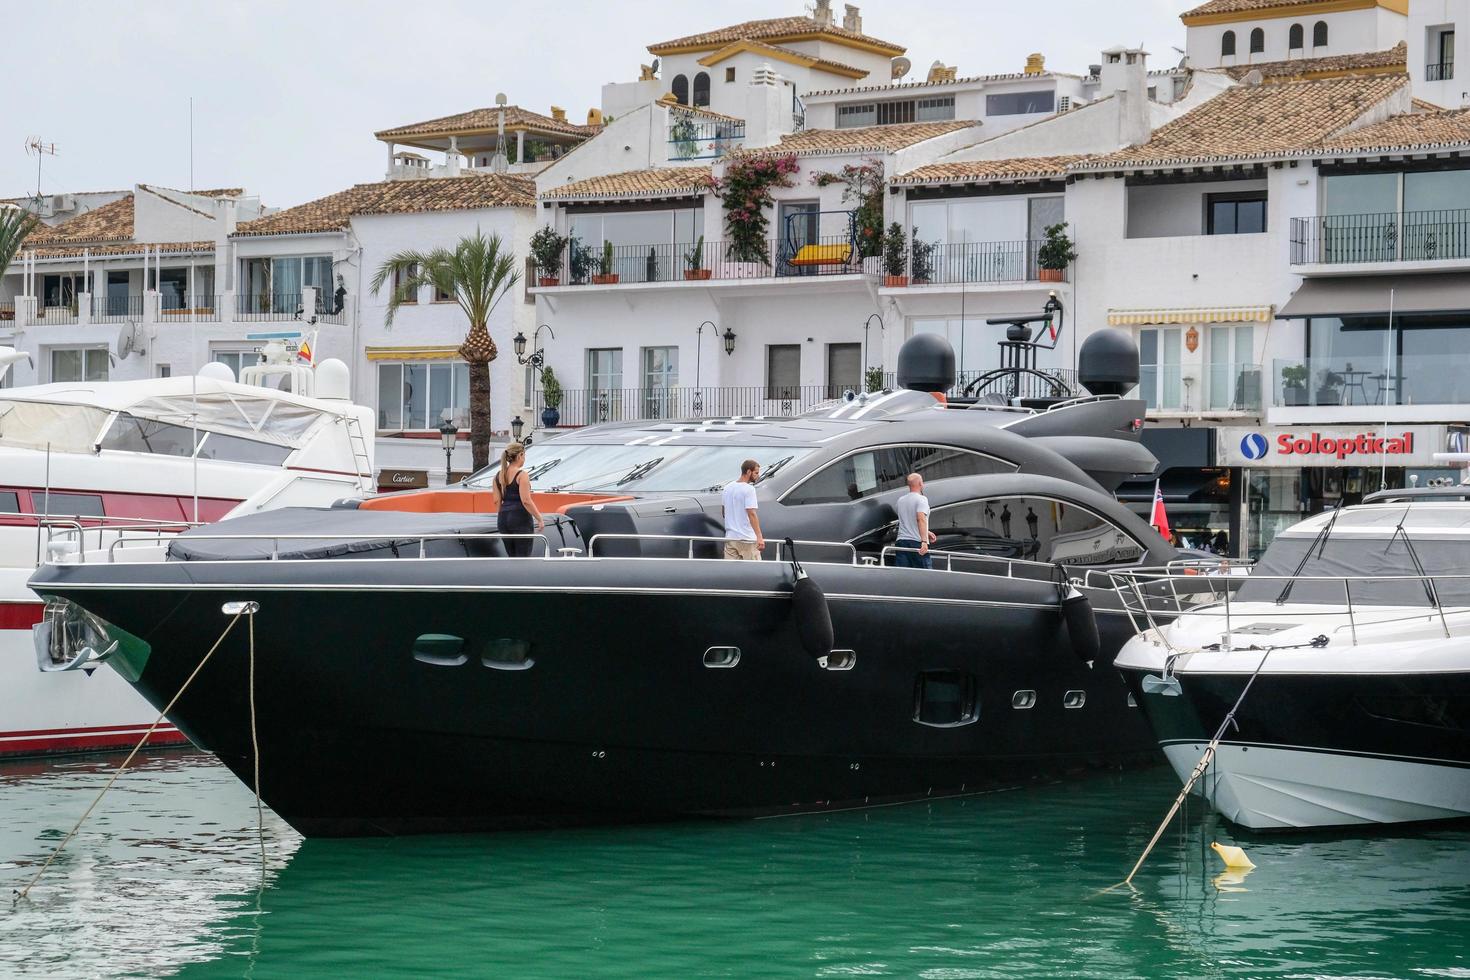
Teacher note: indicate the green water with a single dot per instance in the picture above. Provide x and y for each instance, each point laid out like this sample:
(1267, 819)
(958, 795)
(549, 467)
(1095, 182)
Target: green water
(166, 880)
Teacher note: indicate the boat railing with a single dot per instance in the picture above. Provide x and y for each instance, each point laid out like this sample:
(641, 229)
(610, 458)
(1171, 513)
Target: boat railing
(1148, 595)
(1051, 572)
(693, 539)
(63, 530)
(420, 539)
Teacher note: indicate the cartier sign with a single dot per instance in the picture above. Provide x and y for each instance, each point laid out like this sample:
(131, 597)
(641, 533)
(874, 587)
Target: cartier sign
(403, 479)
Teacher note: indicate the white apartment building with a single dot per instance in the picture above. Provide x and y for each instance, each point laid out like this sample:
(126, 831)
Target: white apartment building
(1434, 45)
(1231, 33)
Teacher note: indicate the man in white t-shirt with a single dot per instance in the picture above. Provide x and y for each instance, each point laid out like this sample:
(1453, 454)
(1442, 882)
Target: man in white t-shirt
(743, 538)
(913, 527)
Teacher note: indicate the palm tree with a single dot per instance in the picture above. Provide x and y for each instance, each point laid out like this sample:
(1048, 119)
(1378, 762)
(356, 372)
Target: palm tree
(15, 224)
(478, 272)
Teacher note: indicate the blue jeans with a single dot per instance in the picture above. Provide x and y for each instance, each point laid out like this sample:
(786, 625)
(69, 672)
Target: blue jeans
(910, 559)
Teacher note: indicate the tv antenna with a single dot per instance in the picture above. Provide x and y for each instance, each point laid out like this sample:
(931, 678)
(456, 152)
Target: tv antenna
(38, 149)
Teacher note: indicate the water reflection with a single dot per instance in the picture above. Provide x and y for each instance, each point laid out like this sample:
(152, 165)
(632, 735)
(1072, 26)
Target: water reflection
(1007, 885)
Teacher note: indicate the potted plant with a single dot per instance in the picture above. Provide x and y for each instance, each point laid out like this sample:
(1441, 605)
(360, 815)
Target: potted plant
(1057, 251)
(581, 260)
(1294, 384)
(605, 275)
(873, 379)
(893, 256)
(547, 247)
(921, 258)
(1329, 392)
(551, 397)
(694, 262)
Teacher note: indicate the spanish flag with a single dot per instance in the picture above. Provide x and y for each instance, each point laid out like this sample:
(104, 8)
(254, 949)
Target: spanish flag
(304, 352)
(1158, 518)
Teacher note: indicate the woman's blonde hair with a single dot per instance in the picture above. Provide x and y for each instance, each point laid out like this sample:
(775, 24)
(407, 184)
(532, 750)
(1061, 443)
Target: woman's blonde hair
(509, 455)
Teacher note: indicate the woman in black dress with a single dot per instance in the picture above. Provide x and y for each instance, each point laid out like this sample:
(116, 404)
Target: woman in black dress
(514, 502)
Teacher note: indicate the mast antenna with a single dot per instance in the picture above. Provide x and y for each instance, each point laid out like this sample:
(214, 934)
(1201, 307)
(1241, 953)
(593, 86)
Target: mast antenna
(37, 148)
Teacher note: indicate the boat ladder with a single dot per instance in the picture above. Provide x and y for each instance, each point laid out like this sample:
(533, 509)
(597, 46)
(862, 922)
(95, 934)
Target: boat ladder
(363, 461)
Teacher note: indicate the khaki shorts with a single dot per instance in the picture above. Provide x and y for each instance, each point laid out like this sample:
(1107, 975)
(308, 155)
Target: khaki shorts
(742, 551)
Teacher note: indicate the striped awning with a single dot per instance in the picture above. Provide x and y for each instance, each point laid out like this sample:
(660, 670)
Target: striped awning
(415, 353)
(1208, 314)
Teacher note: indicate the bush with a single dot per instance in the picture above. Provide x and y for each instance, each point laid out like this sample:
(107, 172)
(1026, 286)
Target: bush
(893, 243)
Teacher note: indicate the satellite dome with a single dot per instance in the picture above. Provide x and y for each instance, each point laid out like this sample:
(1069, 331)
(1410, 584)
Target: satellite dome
(926, 363)
(1107, 364)
(217, 371)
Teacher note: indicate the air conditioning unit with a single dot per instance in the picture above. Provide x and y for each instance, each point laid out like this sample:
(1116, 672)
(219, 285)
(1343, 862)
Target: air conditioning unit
(63, 202)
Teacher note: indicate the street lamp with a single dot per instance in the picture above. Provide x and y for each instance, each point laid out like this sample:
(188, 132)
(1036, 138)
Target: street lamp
(729, 336)
(449, 435)
(537, 357)
(866, 326)
(517, 426)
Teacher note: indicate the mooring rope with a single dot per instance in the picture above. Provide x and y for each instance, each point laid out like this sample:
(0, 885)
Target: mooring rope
(22, 893)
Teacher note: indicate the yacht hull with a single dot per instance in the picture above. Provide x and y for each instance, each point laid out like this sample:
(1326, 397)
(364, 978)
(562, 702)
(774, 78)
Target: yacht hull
(960, 682)
(1319, 750)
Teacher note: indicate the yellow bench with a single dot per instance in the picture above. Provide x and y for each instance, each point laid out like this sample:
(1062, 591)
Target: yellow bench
(823, 255)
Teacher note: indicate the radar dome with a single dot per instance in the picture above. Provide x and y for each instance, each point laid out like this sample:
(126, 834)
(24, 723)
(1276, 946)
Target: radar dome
(1107, 364)
(926, 363)
(332, 380)
(216, 371)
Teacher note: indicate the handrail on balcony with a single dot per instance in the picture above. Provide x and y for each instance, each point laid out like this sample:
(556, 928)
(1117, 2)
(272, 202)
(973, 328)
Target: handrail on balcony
(1442, 72)
(1391, 236)
(583, 263)
(691, 138)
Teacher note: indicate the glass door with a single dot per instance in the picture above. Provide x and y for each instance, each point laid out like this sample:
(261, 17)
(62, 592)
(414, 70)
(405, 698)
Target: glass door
(1234, 379)
(604, 385)
(1159, 380)
(798, 225)
(660, 377)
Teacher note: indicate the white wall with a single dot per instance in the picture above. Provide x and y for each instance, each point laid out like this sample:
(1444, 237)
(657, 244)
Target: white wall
(1164, 210)
(635, 140)
(1426, 17)
(158, 219)
(1372, 29)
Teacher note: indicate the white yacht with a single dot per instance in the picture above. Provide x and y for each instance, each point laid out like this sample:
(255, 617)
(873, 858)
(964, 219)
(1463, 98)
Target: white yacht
(1345, 657)
(85, 464)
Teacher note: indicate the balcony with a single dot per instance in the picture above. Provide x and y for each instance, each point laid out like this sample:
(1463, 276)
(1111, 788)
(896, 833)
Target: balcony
(1176, 390)
(1344, 383)
(1441, 72)
(173, 308)
(627, 265)
(940, 263)
(690, 138)
(1338, 242)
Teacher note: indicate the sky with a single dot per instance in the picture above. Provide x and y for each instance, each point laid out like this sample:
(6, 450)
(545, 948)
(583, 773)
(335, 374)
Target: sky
(287, 93)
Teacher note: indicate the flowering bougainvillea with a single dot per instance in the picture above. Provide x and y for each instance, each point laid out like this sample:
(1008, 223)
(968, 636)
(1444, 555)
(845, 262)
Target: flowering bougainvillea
(745, 191)
(863, 185)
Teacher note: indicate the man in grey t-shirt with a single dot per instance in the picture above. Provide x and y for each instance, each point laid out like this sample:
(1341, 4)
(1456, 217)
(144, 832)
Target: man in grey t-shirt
(913, 527)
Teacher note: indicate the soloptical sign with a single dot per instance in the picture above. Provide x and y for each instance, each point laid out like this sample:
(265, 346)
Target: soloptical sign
(1329, 445)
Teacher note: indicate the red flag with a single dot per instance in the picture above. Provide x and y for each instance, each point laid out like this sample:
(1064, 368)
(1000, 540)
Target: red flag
(1157, 517)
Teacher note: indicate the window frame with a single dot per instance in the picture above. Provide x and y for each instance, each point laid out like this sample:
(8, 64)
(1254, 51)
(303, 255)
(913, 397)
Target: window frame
(84, 350)
(772, 393)
(695, 90)
(1237, 198)
(680, 82)
(1227, 44)
(993, 99)
(1320, 34)
(1296, 38)
(1257, 43)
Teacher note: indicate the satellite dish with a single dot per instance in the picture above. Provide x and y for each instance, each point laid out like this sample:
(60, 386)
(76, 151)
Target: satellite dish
(901, 67)
(129, 341)
(500, 98)
(1253, 77)
(654, 67)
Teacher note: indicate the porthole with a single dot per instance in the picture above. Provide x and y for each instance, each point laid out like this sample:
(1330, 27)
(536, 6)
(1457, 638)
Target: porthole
(945, 699)
(1074, 699)
(506, 654)
(1022, 700)
(722, 657)
(440, 650)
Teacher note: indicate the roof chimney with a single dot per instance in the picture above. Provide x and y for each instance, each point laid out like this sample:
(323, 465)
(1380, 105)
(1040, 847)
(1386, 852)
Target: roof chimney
(1035, 63)
(939, 72)
(594, 117)
(822, 13)
(558, 113)
(851, 19)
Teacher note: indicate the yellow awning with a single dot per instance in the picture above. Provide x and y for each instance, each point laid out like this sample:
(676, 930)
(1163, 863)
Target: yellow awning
(412, 353)
(1209, 314)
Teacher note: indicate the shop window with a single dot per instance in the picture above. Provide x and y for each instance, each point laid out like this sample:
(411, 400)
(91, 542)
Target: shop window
(945, 699)
(1227, 44)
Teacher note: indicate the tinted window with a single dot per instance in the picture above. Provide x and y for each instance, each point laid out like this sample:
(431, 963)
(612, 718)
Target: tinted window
(880, 470)
(68, 504)
(1227, 44)
(1033, 529)
(1237, 216)
(9, 502)
(1020, 103)
(945, 699)
(135, 435)
(233, 449)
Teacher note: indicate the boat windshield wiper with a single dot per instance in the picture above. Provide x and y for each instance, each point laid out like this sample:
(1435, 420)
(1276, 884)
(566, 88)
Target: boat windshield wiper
(1319, 542)
(1430, 592)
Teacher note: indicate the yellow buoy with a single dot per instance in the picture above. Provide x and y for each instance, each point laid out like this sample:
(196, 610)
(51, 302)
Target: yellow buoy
(1233, 857)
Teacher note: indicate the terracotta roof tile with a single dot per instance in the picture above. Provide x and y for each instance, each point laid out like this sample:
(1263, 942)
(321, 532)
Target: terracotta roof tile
(866, 139)
(775, 30)
(1393, 59)
(659, 182)
(332, 212)
(1409, 131)
(702, 112)
(110, 223)
(121, 248)
(486, 120)
(1240, 7)
(1256, 121)
(879, 90)
(1018, 168)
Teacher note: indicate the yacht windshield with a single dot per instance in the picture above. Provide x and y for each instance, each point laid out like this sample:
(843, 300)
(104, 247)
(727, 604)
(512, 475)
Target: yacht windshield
(584, 468)
(1368, 563)
(60, 427)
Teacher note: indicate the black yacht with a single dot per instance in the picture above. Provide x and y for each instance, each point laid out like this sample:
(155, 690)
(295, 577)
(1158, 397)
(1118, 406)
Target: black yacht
(409, 678)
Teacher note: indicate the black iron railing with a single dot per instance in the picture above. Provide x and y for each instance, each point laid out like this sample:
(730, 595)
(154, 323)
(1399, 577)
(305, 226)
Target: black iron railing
(939, 262)
(1442, 72)
(585, 264)
(1406, 236)
(268, 306)
(113, 308)
(692, 138)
